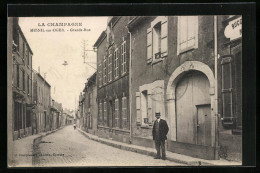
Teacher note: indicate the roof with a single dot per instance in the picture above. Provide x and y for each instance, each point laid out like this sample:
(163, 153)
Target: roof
(91, 81)
(100, 39)
(19, 28)
(43, 79)
(134, 21)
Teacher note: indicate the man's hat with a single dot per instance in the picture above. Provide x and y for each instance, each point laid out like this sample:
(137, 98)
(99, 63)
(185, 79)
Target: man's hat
(157, 113)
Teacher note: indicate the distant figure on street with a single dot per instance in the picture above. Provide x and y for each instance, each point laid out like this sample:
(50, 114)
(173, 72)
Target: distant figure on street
(160, 130)
(74, 125)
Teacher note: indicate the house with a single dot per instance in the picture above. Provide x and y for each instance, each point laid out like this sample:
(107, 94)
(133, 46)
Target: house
(22, 105)
(56, 113)
(113, 80)
(182, 67)
(91, 108)
(42, 100)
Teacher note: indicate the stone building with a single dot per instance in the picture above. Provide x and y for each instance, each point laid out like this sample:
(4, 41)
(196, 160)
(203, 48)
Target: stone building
(21, 82)
(56, 115)
(113, 80)
(91, 108)
(42, 100)
(185, 68)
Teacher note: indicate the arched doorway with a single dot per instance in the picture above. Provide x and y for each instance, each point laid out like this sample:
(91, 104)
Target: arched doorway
(193, 109)
(191, 104)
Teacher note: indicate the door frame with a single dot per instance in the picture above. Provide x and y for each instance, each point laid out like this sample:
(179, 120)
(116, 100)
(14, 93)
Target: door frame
(170, 96)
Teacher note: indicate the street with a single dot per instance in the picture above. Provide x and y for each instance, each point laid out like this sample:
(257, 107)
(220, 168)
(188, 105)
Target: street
(68, 147)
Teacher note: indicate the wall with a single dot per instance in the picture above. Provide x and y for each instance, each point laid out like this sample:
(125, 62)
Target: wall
(116, 87)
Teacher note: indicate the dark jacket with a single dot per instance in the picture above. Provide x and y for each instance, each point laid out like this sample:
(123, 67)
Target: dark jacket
(163, 129)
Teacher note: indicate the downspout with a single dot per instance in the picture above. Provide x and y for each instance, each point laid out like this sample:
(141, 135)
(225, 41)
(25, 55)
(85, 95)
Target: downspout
(216, 87)
(130, 85)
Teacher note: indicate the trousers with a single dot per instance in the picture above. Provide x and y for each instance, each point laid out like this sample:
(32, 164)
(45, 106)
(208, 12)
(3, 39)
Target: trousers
(160, 144)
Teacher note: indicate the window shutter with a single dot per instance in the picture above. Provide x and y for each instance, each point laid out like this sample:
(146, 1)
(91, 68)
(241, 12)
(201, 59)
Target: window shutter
(124, 112)
(149, 45)
(164, 36)
(192, 22)
(149, 106)
(226, 64)
(116, 113)
(138, 107)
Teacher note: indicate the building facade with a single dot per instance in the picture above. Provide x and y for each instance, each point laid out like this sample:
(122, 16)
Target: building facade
(21, 83)
(176, 70)
(113, 80)
(55, 115)
(91, 106)
(42, 99)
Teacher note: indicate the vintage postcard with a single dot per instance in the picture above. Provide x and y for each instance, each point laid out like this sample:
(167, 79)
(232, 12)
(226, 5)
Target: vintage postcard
(125, 91)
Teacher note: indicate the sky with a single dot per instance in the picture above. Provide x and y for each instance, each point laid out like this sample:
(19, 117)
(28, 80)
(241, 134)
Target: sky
(51, 49)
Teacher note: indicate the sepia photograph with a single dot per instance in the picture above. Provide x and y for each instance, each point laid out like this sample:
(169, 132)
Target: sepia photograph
(95, 91)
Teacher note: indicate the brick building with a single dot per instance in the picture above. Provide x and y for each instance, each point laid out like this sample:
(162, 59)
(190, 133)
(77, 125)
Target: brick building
(113, 80)
(173, 62)
(21, 82)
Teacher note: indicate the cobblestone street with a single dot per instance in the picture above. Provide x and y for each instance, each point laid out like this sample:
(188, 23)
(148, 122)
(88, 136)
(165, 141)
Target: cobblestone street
(68, 147)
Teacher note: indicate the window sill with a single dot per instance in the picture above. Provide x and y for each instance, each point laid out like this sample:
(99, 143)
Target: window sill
(146, 126)
(187, 50)
(157, 61)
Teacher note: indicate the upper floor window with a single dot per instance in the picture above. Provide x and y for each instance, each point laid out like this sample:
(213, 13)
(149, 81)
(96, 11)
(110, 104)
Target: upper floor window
(28, 57)
(116, 63)
(187, 33)
(105, 70)
(157, 39)
(18, 76)
(123, 54)
(24, 51)
(100, 74)
(28, 85)
(109, 67)
(23, 81)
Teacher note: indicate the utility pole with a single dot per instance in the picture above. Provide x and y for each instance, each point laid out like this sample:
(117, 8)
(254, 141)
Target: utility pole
(85, 55)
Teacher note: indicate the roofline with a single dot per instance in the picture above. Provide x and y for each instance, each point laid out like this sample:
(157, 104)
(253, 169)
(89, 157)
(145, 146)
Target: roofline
(43, 79)
(20, 30)
(100, 39)
(134, 21)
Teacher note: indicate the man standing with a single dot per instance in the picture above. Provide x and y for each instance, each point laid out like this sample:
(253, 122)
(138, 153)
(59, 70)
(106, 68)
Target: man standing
(160, 130)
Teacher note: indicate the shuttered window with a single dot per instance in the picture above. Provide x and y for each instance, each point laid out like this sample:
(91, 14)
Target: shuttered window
(105, 122)
(124, 113)
(116, 73)
(138, 108)
(123, 55)
(117, 118)
(100, 75)
(226, 64)
(187, 33)
(157, 39)
(110, 67)
(100, 114)
(105, 70)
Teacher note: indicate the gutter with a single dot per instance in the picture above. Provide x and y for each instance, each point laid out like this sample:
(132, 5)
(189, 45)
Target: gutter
(130, 85)
(216, 87)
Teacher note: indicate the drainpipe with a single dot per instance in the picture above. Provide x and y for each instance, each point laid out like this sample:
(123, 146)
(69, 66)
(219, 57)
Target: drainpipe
(216, 87)
(130, 85)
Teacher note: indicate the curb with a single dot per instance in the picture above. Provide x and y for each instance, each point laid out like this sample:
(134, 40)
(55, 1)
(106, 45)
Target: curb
(37, 141)
(142, 151)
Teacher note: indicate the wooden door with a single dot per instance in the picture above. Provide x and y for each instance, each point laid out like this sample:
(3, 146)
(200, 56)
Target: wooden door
(204, 125)
(192, 90)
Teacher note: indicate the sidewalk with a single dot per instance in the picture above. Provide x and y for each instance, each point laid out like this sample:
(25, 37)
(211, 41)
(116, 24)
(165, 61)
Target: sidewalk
(170, 156)
(23, 150)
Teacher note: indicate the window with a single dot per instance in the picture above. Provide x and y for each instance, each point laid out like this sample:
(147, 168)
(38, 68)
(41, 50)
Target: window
(28, 57)
(110, 67)
(105, 70)
(100, 75)
(18, 76)
(16, 37)
(187, 33)
(157, 39)
(117, 124)
(116, 63)
(105, 119)
(28, 84)
(100, 114)
(23, 51)
(123, 54)
(124, 113)
(23, 81)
